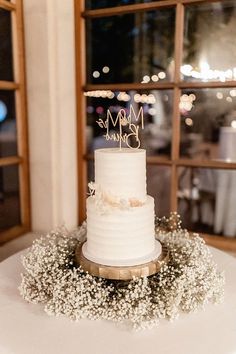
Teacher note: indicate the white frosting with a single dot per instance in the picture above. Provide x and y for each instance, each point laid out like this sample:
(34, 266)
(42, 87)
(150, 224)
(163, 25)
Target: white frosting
(120, 234)
(121, 172)
(125, 261)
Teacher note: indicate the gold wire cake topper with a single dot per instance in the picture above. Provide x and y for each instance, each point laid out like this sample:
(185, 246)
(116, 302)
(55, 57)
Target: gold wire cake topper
(127, 129)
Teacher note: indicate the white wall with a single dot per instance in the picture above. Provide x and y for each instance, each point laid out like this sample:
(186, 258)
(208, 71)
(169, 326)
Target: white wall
(50, 71)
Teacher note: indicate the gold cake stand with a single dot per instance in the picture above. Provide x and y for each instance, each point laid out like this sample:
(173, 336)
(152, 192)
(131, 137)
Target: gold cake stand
(124, 272)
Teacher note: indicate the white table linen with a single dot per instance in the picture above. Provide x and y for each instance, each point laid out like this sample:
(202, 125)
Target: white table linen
(27, 329)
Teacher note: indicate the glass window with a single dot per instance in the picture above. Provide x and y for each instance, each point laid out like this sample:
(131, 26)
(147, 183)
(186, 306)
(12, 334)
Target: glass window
(8, 138)
(135, 47)
(9, 197)
(158, 186)
(138, 47)
(6, 60)
(94, 4)
(209, 42)
(90, 172)
(208, 124)
(206, 200)
(157, 112)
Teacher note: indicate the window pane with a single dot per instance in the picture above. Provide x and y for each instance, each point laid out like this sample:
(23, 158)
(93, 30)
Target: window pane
(157, 108)
(94, 4)
(209, 42)
(206, 200)
(158, 186)
(131, 48)
(9, 197)
(208, 124)
(8, 138)
(90, 171)
(6, 64)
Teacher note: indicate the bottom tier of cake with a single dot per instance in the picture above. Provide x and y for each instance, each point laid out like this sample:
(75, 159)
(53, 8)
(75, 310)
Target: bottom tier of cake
(121, 237)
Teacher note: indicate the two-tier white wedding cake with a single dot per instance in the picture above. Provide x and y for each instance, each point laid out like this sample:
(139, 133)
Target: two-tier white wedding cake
(120, 214)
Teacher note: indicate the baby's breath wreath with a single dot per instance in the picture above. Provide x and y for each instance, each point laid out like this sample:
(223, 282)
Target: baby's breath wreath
(187, 283)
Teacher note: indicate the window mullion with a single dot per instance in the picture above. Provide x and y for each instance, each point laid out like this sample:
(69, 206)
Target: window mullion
(179, 33)
(21, 117)
(7, 5)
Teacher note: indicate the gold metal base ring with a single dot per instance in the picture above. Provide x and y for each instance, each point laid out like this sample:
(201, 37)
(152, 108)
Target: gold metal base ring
(124, 272)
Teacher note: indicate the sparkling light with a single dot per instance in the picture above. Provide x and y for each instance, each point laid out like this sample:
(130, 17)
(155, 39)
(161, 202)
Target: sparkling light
(162, 75)
(219, 95)
(103, 94)
(137, 98)
(111, 95)
(233, 124)
(205, 70)
(143, 98)
(96, 74)
(206, 73)
(106, 69)
(146, 79)
(184, 97)
(186, 102)
(192, 96)
(155, 78)
(186, 69)
(229, 99)
(90, 109)
(100, 93)
(232, 93)
(187, 106)
(99, 110)
(123, 96)
(151, 99)
(189, 122)
(3, 111)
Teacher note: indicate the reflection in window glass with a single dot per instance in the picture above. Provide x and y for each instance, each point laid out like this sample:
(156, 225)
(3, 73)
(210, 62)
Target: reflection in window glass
(9, 197)
(131, 48)
(158, 186)
(8, 138)
(94, 4)
(157, 108)
(6, 65)
(208, 123)
(206, 200)
(209, 42)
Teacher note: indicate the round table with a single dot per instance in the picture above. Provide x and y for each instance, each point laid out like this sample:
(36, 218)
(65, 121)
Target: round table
(27, 329)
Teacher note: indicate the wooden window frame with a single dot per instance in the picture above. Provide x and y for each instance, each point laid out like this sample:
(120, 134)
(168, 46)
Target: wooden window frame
(177, 85)
(19, 88)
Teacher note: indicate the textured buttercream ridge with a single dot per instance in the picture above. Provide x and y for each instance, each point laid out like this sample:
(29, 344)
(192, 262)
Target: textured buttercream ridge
(120, 214)
(121, 172)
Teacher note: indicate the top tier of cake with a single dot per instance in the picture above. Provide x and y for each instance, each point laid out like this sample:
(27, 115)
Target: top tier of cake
(122, 172)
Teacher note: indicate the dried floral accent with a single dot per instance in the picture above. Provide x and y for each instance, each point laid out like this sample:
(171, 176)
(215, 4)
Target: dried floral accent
(105, 201)
(173, 222)
(187, 283)
(134, 203)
